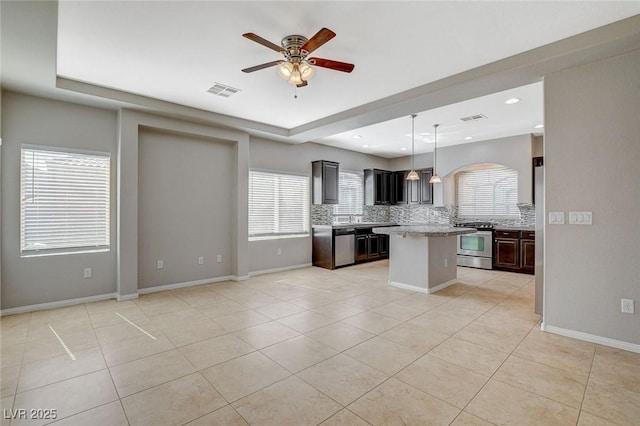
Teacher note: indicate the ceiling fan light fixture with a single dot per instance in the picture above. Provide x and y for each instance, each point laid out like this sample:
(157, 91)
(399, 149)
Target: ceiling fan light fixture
(285, 69)
(306, 72)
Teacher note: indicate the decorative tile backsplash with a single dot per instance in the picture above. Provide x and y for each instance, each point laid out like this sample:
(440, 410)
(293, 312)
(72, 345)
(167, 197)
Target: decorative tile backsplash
(419, 213)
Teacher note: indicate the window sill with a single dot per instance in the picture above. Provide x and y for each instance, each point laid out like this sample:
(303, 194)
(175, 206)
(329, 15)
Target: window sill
(61, 253)
(278, 237)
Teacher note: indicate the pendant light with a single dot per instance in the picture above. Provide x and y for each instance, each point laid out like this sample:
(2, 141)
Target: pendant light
(412, 174)
(435, 178)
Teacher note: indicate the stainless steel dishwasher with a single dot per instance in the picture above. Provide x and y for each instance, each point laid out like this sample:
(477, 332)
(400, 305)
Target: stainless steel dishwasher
(344, 240)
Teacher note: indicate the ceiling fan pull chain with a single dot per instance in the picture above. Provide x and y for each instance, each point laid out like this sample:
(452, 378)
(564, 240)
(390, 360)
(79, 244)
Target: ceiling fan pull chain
(295, 92)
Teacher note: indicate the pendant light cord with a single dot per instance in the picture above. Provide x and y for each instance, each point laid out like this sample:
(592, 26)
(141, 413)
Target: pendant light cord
(435, 148)
(413, 136)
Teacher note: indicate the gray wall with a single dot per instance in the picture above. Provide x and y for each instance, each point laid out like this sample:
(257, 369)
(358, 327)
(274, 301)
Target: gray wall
(284, 157)
(37, 121)
(185, 207)
(592, 163)
(514, 152)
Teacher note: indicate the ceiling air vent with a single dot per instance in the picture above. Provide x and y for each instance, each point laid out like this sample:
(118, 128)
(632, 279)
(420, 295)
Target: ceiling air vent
(474, 117)
(223, 90)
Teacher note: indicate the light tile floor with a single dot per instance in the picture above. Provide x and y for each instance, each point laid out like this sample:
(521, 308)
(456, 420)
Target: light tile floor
(310, 347)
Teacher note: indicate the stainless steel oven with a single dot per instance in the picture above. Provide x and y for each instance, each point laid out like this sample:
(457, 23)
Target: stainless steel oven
(476, 250)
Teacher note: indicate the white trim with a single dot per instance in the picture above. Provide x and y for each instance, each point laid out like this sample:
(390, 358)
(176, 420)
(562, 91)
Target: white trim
(123, 297)
(155, 289)
(422, 289)
(57, 304)
(619, 344)
(284, 268)
(408, 287)
(441, 286)
(241, 278)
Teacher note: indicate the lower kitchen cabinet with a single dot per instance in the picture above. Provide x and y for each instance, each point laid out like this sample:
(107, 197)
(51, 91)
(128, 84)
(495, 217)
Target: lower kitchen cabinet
(514, 251)
(370, 246)
(528, 252)
(330, 247)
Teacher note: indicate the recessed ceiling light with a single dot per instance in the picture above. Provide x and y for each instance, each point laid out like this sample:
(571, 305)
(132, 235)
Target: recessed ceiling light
(408, 134)
(468, 138)
(423, 134)
(539, 126)
(365, 146)
(356, 136)
(403, 149)
(512, 101)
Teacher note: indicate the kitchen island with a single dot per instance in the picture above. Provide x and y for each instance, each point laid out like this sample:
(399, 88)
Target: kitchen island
(422, 258)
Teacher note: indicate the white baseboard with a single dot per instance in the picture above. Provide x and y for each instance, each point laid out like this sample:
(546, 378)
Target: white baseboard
(57, 304)
(422, 289)
(605, 341)
(175, 286)
(441, 286)
(122, 298)
(240, 278)
(285, 268)
(408, 287)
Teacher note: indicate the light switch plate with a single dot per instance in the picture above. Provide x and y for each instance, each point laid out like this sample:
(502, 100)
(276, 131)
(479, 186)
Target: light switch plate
(556, 218)
(580, 218)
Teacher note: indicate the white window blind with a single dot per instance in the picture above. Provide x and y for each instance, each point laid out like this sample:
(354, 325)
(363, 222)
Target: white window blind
(488, 192)
(350, 190)
(64, 201)
(278, 205)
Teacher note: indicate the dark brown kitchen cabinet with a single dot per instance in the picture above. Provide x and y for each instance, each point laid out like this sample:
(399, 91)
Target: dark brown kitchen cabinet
(528, 252)
(506, 250)
(325, 178)
(426, 188)
(370, 246)
(377, 187)
(514, 251)
(399, 187)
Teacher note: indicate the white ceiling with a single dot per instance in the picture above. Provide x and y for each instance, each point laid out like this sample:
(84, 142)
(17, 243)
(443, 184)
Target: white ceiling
(175, 51)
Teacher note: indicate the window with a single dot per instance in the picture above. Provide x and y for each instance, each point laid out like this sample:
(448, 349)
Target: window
(278, 205)
(64, 201)
(350, 192)
(491, 191)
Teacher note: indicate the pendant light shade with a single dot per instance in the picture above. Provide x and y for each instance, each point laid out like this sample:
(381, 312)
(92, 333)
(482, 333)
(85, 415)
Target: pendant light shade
(412, 174)
(435, 178)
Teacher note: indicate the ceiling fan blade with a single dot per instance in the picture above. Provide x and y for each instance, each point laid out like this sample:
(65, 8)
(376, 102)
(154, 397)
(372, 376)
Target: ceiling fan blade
(266, 43)
(334, 65)
(262, 66)
(320, 38)
(304, 83)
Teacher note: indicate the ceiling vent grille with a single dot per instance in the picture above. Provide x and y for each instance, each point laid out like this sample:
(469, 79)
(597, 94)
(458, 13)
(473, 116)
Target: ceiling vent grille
(474, 117)
(223, 90)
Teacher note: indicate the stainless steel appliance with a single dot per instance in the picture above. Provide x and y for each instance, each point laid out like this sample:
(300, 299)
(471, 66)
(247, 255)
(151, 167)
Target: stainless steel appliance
(344, 246)
(476, 250)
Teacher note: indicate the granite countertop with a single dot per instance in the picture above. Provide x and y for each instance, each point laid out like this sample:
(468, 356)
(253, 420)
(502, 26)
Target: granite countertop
(424, 231)
(355, 225)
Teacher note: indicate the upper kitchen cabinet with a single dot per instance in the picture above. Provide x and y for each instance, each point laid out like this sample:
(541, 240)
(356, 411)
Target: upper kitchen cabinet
(426, 188)
(377, 187)
(399, 187)
(326, 175)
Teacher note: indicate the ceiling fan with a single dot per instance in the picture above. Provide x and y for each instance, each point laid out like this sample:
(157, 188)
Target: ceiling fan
(296, 67)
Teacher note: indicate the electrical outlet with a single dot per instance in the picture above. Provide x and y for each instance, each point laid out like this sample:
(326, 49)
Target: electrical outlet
(219, 258)
(279, 251)
(446, 262)
(159, 264)
(87, 272)
(200, 260)
(627, 306)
